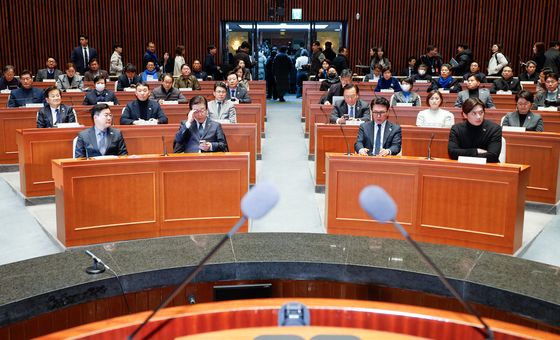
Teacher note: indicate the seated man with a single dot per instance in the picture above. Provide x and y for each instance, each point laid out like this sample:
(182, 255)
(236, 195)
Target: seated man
(100, 93)
(352, 107)
(129, 78)
(54, 112)
(51, 72)
(374, 74)
(523, 117)
(143, 111)
(337, 89)
(186, 80)
(530, 73)
(474, 90)
(236, 94)
(422, 74)
(474, 68)
(199, 133)
(476, 136)
(94, 71)
(197, 70)
(379, 137)
(151, 73)
(26, 94)
(8, 81)
(551, 96)
(101, 139)
(507, 82)
(166, 92)
(220, 108)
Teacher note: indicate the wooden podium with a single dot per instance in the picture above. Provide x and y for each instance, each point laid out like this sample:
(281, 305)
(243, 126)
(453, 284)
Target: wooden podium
(439, 201)
(127, 198)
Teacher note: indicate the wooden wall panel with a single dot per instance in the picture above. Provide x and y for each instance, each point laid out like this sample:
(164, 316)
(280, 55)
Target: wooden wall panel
(31, 30)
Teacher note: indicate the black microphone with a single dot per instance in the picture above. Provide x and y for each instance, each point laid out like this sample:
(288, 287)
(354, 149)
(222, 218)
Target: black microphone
(430, 146)
(395, 113)
(164, 146)
(377, 203)
(345, 140)
(87, 154)
(255, 204)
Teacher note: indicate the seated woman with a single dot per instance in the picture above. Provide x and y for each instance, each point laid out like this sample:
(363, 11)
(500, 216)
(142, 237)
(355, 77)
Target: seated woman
(332, 79)
(239, 72)
(323, 71)
(475, 136)
(375, 74)
(150, 73)
(100, 93)
(474, 90)
(406, 95)
(388, 82)
(186, 79)
(523, 116)
(54, 112)
(507, 82)
(550, 97)
(435, 116)
(474, 68)
(246, 73)
(445, 81)
(530, 73)
(70, 80)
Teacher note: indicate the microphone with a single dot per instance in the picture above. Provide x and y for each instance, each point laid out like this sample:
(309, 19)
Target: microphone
(377, 203)
(395, 113)
(430, 147)
(164, 146)
(87, 154)
(255, 204)
(345, 140)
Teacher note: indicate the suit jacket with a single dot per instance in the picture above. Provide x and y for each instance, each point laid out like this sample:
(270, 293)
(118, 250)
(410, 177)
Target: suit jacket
(64, 84)
(501, 84)
(77, 58)
(21, 97)
(540, 100)
(187, 139)
(533, 121)
(45, 119)
(227, 111)
(552, 60)
(361, 110)
(392, 138)
(241, 94)
(334, 90)
(89, 76)
(210, 66)
(483, 95)
(42, 74)
(132, 112)
(92, 97)
(159, 93)
(87, 140)
(124, 82)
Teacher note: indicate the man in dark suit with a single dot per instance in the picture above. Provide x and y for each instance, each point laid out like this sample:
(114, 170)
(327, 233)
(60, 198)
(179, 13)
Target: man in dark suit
(129, 78)
(51, 72)
(26, 94)
(54, 112)
(379, 137)
(199, 133)
(210, 63)
(552, 57)
(143, 111)
(236, 93)
(352, 107)
(340, 62)
(82, 54)
(101, 139)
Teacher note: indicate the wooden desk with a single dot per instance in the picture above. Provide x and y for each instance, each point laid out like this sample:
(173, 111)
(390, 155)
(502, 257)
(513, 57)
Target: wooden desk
(148, 196)
(37, 147)
(439, 201)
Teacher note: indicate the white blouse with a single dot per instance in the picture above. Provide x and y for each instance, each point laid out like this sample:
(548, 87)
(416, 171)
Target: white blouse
(435, 118)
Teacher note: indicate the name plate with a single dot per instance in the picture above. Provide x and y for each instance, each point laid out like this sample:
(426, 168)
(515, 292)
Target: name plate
(105, 157)
(503, 92)
(513, 128)
(420, 81)
(170, 102)
(443, 91)
(223, 121)
(372, 81)
(73, 90)
(129, 89)
(387, 90)
(185, 89)
(354, 122)
(471, 160)
(404, 104)
(550, 108)
(49, 80)
(6, 91)
(526, 82)
(108, 103)
(68, 125)
(323, 79)
(34, 105)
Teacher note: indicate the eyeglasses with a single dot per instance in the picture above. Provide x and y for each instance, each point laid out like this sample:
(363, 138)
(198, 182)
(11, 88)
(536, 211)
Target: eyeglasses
(378, 113)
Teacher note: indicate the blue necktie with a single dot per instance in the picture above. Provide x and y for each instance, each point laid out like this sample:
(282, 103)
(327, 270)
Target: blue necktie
(101, 143)
(377, 140)
(57, 116)
(351, 112)
(232, 93)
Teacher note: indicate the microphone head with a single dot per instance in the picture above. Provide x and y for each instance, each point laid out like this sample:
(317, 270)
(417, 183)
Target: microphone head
(259, 200)
(378, 204)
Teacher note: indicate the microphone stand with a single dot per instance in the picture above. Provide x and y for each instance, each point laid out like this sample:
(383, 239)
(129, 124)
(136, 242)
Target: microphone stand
(430, 147)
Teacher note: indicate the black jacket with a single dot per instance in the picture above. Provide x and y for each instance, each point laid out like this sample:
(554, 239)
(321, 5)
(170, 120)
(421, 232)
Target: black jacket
(464, 59)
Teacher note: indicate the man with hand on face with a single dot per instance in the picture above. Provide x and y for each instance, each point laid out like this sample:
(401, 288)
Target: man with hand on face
(166, 92)
(220, 108)
(101, 139)
(379, 137)
(351, 108)
(199, 133)
(143, 111)
(236, 94)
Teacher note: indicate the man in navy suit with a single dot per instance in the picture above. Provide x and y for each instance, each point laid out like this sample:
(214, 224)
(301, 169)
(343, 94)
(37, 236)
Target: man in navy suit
(82, 55)
(26, 94)
(143, 111)
(129, 78)
(199, 133)
(379, 137)
(237, 94)
(101, 139)
(352, 107)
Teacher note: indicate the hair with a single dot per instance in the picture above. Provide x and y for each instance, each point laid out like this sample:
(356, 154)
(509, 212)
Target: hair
(475, 76)
(553, 43)
(346, 73)
(380, 101)
(210, 47)
(326, 61)
(342, 49)
(470, 103)
(283, 49)
(411, 58)
(196, 61)
(328, 44)
(198, 100)
(85, 36)
(230, 73)
(349, 87)
(98, 78)
(434, 93)
(50, 89)
(316, 43)
(179, 50)
(167, 75)
(540, 47)
(142, 83)
(97, 108)
(531, 62)
(70, 65)
(527, 95)
(237, 68)
(462, 45)
(552, 75)
(447, 66)
(500, 47)
(474, 62)
(245, 44)
(93, 60)
(408, 80)
(423, 66)
(24, 72)
(185, 65)
(220, 84)
(9, 67)
(116, 45)
(430, 48)
(385, 69)
(150, 42)
(150, 61)
(130, 68)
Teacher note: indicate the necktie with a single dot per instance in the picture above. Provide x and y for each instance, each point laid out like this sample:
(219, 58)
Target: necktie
(101, 143)
(377, 140)
(219, 108)
(200, 129)
(351, 112)
(57, 111)
(232, 93)
(86, 58)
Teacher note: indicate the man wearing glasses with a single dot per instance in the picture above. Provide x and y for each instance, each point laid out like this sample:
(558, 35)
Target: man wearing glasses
(199, 133)
(221, 109)
(379, 137)
(101, 139)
